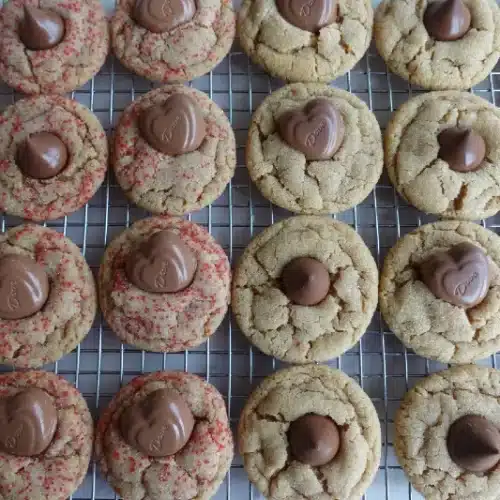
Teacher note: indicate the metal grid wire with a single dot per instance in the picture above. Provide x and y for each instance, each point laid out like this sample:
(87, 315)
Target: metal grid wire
(383, 367)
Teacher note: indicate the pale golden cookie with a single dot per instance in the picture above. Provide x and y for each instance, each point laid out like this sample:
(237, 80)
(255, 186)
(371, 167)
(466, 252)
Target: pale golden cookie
(288, 179)
(297, 333)
(430, 326)
(407, 48)
(288, 395)
(296, 55)
(422, 424)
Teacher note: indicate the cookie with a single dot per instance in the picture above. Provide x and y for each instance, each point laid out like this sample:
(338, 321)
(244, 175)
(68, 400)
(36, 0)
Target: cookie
(48, 296)
(443, 156)
(439, 45)
(447, 434)
(305, 289)
(305, 42)
(53, 157)
(51, 47)
(314, 149)
(164, 284)
(310, 432)
(46, 438)
(165, 435)
(174, 151)
(442, 301)
(180, 42)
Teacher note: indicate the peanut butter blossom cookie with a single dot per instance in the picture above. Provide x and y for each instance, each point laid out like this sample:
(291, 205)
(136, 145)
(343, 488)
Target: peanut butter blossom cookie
(310, 433)
(443, 155)
(305, 289)
(448, 434)
(440, 289)
(46, 436)
(51, 46)
(314, 149)
(165, 436)
(306, 40)
(439, 44)
(175, 151)
(164, 284)
(53, 157)
(48, 299)
(172, 40)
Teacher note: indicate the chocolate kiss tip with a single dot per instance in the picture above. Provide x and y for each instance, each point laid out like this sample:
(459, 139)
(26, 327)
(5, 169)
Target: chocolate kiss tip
(447, 20)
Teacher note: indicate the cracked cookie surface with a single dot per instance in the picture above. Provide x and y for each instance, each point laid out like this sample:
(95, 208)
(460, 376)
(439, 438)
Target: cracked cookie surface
(286, 396)
(289, 180)
(410, 52)
(426, 181)
(184, 53)
(193, 473)
(296, 55)
(165, 322)
(66, 66)
(303, 334)
(72, 188)
(174, 184)
(69, 312)
(430, 326)
(57, 472)
(422, 424)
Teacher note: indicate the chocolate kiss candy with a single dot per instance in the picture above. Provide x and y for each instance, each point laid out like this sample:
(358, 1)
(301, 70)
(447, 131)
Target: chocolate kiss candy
(305, 281)
(474, 443)
(463, 149)
(175, 127)
(160, 425)
(159, 16)
(42, 155)
(41, 29)
(314, 439)
(317, 130)
(162, 264)
(461, 275)
(447, 20)
(24, 287)
(28, 422)
(309, 15)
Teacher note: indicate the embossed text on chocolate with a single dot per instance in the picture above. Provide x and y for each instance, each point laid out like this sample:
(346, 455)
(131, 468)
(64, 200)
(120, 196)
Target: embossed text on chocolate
(12, 300)
(461, 288)
(155, 444)
(306, 8)
(168, 133)
(167, 8)
(11, 441)
(311, 138)
(161, 278)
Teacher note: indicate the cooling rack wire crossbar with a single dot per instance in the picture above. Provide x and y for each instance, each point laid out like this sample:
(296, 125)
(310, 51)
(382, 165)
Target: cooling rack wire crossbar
(382, 366)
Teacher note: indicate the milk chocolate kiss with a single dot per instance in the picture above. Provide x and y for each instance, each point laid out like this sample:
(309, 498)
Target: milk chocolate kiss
(175, 127)
(42, 155)
(159, 16)
(460, 276)
(317, 130)
(160, 425)
(447, 20)
(162, 264)
(306, 281)
(309, 15)
(24, 287)
(474, 443)
(41, 29)
(462, 148)
(28, 422)
(314, 439)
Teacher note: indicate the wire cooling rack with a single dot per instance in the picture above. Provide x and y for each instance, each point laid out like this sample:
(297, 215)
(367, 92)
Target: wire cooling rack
(382, 366)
